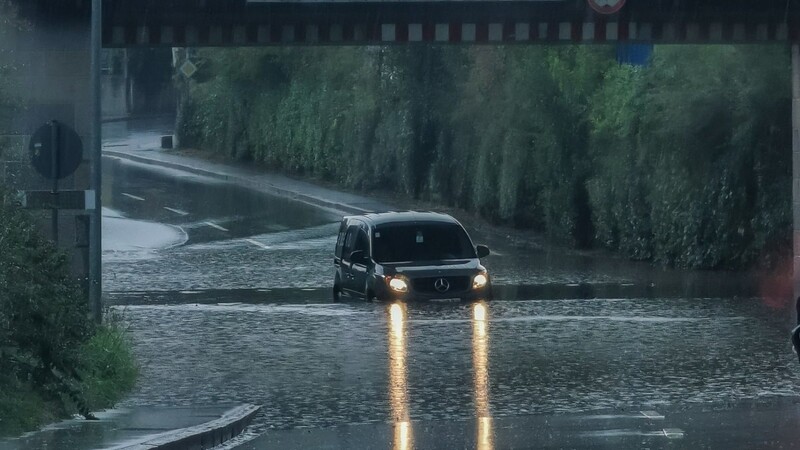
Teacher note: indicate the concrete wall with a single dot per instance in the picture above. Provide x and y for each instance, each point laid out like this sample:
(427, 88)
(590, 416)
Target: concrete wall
(51, 56)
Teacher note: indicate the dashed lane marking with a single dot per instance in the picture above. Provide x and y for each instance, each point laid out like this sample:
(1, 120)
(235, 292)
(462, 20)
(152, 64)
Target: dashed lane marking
(653, 415)
(258, 244)
(673, 433)
(135, 197)
(213, 225)
(180, 212)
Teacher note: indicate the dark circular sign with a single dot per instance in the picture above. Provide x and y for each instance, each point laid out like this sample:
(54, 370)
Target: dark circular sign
(56, 150)
(607, 6)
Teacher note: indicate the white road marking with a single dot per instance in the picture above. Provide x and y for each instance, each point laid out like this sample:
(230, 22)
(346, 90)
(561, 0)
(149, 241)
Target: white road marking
(257, 244)
(673, 433)
(140, 199)
(213, 225)
(177, 211)
(651, 415)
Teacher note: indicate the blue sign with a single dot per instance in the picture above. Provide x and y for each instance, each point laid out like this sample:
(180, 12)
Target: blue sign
(634, 54)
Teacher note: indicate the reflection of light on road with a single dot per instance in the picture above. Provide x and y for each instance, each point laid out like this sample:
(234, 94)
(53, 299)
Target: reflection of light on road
(398, 382)
(480, 364)
(402, 436)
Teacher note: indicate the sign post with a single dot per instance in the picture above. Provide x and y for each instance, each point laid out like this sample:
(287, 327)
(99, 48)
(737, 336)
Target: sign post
(56, 152)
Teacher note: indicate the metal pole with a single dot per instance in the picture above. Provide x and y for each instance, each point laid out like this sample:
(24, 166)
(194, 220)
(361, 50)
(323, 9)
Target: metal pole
(54, 170)
(95, 233)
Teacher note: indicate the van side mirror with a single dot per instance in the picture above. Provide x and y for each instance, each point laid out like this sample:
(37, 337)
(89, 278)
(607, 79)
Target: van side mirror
(358, 257)
(483, 251)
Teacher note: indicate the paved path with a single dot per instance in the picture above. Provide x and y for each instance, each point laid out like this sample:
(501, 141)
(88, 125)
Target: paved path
(116, 428)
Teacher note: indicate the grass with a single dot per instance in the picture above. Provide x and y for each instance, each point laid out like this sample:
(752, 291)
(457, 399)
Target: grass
(108, 371)
(110, 368)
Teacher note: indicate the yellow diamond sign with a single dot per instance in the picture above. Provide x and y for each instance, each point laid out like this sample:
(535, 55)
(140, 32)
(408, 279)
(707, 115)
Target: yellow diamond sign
(188, 69)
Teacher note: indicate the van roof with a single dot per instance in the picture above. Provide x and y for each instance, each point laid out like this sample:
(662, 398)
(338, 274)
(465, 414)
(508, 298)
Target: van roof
(406, 216)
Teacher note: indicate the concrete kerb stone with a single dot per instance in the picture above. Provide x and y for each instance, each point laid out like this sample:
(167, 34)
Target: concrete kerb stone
(272, 189)
(204, 436)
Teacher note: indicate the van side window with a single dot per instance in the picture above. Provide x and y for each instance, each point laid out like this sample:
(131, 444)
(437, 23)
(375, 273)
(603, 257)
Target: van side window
(362, 242)
(340, 239)
(349, 241)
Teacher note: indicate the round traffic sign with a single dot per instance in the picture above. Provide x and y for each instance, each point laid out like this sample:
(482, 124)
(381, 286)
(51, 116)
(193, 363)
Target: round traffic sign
(606, 6)
(54, 137)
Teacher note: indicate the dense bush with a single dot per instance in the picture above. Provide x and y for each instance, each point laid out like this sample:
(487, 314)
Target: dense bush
(685, 161)
(54, 359)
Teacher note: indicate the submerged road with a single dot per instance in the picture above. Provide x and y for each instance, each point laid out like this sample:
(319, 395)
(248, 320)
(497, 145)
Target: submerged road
(226, 292)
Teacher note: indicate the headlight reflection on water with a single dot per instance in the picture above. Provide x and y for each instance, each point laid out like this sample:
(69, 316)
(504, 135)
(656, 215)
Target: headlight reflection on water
(480, 367)
(398, 377)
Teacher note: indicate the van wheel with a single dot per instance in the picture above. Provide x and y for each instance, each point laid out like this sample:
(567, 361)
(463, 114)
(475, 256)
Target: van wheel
(337, 293)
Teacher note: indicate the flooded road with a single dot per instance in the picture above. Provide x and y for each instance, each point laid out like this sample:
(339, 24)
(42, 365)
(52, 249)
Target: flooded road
(325, 365)
(241, 311)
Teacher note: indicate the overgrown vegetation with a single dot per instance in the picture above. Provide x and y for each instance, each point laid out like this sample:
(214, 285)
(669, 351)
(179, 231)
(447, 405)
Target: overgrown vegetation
(686, 162)
(54, 361)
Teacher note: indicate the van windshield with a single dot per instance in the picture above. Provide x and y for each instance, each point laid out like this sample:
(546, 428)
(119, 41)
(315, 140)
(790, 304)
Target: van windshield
(401, 242)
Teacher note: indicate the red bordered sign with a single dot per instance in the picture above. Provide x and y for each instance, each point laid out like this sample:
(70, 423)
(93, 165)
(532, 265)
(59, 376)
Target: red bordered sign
(607, 6)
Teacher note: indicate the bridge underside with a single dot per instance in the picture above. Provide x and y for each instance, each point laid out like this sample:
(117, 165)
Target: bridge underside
(262, 23)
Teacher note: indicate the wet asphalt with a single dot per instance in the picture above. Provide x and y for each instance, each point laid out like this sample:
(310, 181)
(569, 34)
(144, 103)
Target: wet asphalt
(574, 351)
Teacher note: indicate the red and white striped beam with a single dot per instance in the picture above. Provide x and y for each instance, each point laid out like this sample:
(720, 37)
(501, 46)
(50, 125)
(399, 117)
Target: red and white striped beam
(519, 32)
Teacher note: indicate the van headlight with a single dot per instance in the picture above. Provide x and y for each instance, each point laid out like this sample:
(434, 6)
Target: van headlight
(479, 281)
(398, 285)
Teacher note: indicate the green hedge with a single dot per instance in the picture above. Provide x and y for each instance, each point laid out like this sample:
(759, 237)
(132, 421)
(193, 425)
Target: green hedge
(686, 162)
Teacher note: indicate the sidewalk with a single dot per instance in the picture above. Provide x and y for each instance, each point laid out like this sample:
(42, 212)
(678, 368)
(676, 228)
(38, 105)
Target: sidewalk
(270, 183)
(137, 428)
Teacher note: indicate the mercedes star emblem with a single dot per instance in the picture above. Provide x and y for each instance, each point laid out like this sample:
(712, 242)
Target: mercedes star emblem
(442, 285)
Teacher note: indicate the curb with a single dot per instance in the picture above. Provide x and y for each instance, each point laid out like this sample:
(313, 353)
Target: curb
(207, 435)
(263, 187)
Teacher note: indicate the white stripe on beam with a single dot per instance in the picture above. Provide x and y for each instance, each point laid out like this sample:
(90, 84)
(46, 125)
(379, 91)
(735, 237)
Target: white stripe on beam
(415, 32)
(588, 31)
(564, 31)
(442, 32)
(522, 32)
(468, 32)
(167, 35)
(388, 32)
(612, 31)
(495, 32)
